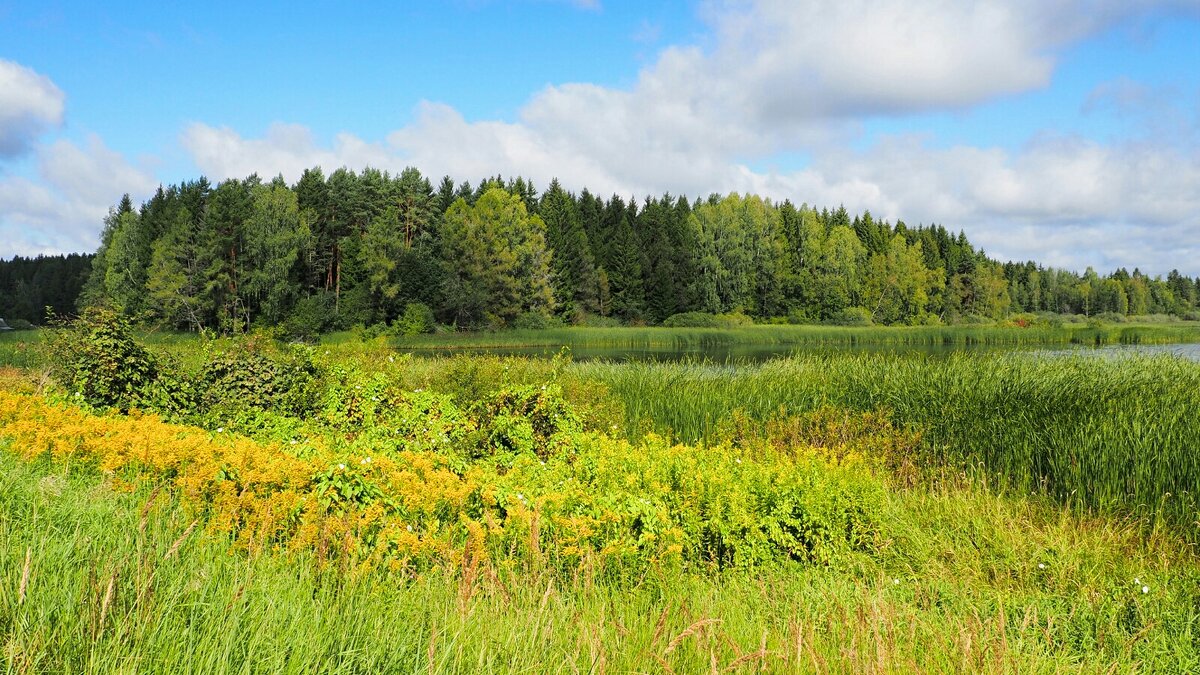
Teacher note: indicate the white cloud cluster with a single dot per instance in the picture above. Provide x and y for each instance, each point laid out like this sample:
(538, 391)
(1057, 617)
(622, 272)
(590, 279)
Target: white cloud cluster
(29, 104)
(63, 209)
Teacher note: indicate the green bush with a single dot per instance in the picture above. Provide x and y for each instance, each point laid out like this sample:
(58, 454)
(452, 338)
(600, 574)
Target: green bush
(247, 374)
(527, 419)
(851, 316)
(96, 359)
(706, 320)
(417, 319)
(535, 321)
(313, 315)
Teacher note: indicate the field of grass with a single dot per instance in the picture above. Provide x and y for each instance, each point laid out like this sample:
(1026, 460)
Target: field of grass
(99, 579)
(343, 508)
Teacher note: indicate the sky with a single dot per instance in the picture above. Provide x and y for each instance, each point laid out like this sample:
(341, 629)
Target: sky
(1062, 131)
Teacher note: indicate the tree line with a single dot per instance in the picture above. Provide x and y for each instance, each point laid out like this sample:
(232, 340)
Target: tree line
(32, 287)
(365, 248)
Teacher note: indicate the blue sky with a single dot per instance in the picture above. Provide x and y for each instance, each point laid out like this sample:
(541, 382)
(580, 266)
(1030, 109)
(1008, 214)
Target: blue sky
(1066, 131)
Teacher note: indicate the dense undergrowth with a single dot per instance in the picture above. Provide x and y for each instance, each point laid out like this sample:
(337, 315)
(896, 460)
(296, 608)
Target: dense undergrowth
(246, 505)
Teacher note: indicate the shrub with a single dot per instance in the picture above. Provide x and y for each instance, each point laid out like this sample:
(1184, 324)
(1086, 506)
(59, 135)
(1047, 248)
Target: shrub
(248, 375)
(535, 321)
(312, 315)
(527, 419)
(706, 320)
(851, 316)
(417, 319)
(97, 360)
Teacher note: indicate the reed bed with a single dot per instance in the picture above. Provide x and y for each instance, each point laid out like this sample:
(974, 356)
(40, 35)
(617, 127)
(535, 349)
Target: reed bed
(1119, 433)
(813, 336)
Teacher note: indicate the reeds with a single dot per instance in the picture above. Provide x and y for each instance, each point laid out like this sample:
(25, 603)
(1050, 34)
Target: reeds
(1099, 433)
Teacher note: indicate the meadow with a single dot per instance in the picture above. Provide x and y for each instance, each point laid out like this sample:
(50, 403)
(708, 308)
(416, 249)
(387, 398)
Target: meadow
(248, 505)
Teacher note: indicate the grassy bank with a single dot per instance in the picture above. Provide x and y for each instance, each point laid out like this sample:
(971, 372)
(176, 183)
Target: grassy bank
(97, 578)
(343, 508)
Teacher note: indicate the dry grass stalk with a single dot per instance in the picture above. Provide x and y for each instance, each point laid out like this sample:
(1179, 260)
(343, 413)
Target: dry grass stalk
(431, 653)
(145, 515)
(110, 593)
(658, 627)
(25, 576)
(470, 572)
(663, 662)
(179, 542)
(688, 632)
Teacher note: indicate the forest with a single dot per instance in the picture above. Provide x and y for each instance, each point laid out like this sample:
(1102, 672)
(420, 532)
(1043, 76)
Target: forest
(28, 286)
(371, 248)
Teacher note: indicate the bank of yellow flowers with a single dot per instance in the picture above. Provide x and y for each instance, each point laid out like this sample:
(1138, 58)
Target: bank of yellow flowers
(607, 503)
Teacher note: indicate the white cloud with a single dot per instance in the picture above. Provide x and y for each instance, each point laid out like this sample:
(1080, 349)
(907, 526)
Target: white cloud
(286, 149)
(29, 104)
(63, 211)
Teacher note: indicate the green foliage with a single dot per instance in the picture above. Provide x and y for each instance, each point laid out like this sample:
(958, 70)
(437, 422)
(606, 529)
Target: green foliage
(498, 265)
(248, 374)
(850, 316)
(529, 419)
(96, 359)
(361, 246)
(417, 319)
(1109, 434)
(706, 320)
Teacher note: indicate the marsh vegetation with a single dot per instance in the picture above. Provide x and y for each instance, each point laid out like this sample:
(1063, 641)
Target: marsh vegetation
(245, 504)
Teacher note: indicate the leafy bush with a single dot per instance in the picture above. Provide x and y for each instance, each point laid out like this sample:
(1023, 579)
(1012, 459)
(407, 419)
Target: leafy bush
(851, 316)
(706, 320)
(247, 375)
(597, 321)
(528, 419)
(535, 321)
(312, 315)
(97, 360)
(417, 319)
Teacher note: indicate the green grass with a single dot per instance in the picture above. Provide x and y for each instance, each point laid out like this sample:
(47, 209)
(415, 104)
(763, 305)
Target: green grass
(812, 336)
(94, 579)
(1054, 489)
(1100, 433)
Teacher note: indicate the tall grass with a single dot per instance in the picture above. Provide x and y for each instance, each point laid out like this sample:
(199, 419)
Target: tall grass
(97, 579)
(813, 335)
(1100, 433)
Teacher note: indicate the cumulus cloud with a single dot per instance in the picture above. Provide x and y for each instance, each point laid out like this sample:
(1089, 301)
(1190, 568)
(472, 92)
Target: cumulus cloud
(63, 209)
(285, 149)
(1059, 200)
(29, 104)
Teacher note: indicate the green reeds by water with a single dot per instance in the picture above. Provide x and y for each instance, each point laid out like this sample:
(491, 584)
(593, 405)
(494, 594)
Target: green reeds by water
(817, 336)
(1098, 433)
